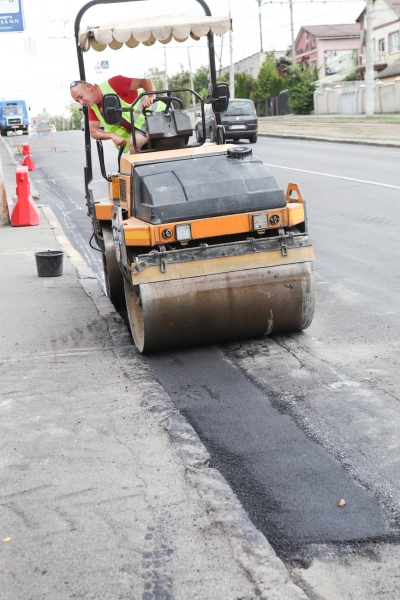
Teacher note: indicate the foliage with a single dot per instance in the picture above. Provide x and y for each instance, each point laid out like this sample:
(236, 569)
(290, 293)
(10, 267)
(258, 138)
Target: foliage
(157, 77)
(201, 80)
(268, 83)
(181, 80)
(353, 77)
(243, 85)
(223, 78)
(300, 87)
(75, 116)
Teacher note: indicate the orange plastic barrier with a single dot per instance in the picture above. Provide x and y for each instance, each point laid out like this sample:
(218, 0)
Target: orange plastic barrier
(25, 211)
(27, 161)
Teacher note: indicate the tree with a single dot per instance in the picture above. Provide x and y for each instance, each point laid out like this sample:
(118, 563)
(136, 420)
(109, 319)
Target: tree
(74, 121)
(300, 87)
(244, 84)
(157, 77)
(181, 80)
(201, 80)
(352, 77)
(268, 83)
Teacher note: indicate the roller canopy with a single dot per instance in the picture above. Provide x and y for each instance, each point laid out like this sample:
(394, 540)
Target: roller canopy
(150, 29)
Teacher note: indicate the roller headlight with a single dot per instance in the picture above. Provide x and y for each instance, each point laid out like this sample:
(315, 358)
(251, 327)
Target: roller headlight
(183, 232)
(260, 221)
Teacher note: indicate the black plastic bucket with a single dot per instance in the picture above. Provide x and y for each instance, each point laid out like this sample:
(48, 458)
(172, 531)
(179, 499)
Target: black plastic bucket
(49, 263)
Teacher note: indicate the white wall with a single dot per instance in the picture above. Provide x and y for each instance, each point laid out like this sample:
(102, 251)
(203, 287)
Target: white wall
(386, 98)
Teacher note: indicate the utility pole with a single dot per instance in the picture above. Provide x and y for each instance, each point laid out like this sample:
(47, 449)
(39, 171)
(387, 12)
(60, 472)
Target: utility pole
(192, 87)
(165, 69)
(369, 63)
(259, 19)
(292, 32)
(220, 55)
(231, 73)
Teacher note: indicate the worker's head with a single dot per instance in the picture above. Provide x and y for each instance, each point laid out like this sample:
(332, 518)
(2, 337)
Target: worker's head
(85, 93)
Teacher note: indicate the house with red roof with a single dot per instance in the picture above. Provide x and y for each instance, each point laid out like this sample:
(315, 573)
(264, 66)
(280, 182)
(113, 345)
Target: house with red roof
(333, 49)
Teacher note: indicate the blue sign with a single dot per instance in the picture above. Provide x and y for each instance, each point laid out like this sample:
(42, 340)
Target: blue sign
(11, 16)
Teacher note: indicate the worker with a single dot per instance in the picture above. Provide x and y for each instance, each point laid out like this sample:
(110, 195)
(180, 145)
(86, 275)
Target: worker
(91, 96)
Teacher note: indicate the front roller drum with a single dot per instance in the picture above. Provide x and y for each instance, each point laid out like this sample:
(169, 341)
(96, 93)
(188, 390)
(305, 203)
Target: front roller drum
(112, 273)
(221, 307)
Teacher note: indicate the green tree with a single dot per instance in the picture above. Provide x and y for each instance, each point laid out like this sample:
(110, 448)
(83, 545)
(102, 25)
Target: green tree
(75, 116)
(243, 85)
(181, 80)
(201, 80)
(157, 77)
(353, 77)
(268, 83)
(223, 78)
(300, 87)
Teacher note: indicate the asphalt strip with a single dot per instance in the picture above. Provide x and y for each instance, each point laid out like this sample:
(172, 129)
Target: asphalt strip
(387, 185)
(249, 546)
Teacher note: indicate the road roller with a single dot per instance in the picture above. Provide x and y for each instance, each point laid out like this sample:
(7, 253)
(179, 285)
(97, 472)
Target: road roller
(199, 243)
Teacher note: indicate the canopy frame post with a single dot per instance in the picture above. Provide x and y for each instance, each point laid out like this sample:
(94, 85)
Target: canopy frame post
(88, 171)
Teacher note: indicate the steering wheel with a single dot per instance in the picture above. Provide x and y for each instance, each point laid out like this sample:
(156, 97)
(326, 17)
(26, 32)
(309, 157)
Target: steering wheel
(167, 100)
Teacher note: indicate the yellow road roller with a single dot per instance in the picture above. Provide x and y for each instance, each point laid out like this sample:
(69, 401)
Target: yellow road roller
(197, 239)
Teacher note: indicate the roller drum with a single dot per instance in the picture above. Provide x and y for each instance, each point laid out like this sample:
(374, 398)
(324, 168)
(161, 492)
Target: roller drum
(221, 307)
(112, 273)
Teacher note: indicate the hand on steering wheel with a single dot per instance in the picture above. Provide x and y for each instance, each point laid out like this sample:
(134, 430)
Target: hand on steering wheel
(147, 102)
(167, 101)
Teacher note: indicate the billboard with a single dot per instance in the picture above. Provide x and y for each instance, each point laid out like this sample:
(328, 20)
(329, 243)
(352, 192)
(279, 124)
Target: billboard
(337, 61)
(11, 16)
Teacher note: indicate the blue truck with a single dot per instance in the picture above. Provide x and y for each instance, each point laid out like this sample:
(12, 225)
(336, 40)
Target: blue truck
(13, 116)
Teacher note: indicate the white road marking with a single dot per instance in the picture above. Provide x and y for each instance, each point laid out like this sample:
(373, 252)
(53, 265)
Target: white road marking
(395, 187)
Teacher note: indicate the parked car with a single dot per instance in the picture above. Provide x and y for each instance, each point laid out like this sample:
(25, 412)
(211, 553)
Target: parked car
(240, 122)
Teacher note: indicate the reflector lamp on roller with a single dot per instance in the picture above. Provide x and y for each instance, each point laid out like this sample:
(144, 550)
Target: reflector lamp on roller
(183, 233)
(260, 221)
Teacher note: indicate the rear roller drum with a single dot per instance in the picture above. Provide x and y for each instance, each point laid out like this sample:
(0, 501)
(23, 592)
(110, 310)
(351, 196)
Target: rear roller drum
(112, 273)
(220, 307)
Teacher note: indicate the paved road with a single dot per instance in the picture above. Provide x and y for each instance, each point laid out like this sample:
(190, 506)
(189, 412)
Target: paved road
(295, 423)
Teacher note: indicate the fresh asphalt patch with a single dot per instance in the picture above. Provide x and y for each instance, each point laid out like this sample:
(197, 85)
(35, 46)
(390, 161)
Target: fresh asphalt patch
(289, 485)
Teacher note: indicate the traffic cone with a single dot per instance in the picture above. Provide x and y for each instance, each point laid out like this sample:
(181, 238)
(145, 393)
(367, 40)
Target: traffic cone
(25, 211)
(27, 161)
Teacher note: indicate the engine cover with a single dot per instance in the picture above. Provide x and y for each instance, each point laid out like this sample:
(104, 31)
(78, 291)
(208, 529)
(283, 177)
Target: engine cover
(196, 187)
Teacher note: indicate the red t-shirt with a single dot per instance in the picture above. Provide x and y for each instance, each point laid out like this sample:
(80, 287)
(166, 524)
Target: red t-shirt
(121, 87)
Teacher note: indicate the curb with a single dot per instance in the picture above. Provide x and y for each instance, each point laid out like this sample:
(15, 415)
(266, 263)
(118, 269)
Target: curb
(249, 546)
(332, 140)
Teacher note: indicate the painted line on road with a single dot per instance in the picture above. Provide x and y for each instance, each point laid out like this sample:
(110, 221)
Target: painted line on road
(394, 187)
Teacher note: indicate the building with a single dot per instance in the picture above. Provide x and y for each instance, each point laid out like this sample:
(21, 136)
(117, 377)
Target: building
(391, 73)
(331, 48)
(252, 64)
(386, 38)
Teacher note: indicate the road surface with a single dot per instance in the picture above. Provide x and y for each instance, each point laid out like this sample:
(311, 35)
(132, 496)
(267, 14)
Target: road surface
(298, 422)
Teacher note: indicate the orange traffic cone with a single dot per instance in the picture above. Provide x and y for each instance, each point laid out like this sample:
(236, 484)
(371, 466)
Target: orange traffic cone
(25, 211)
(27, 161)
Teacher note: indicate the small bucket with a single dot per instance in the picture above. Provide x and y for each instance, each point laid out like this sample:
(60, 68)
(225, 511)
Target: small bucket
(49, 263)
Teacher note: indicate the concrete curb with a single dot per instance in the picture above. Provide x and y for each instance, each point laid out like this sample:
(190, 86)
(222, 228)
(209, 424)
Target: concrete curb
(332, 140)
(249, 546)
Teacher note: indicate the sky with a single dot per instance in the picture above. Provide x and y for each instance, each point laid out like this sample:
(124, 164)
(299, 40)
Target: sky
(38, 64)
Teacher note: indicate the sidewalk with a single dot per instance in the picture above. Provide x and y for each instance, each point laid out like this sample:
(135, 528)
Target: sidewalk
(382, 130)
(106, 492)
